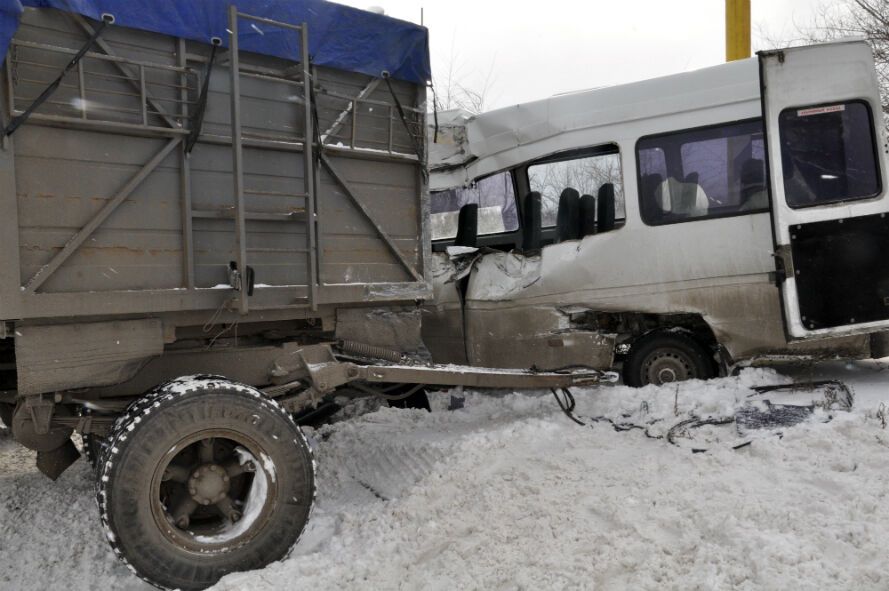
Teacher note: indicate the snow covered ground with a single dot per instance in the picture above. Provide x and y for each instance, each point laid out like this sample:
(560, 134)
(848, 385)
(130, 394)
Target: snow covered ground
(508, 493)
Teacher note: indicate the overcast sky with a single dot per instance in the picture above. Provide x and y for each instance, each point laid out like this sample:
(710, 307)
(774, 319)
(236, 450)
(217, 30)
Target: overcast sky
(536, 49)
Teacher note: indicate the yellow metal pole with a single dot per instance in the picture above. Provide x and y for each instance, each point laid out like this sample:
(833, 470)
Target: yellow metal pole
(737, 29)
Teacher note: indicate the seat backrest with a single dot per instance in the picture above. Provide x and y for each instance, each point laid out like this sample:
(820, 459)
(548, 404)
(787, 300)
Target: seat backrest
(648, 192)
(587, 215)
(606, 208)
(568, 216)
(532, 222)
(753, 185)
(684, 198)
(467, 226)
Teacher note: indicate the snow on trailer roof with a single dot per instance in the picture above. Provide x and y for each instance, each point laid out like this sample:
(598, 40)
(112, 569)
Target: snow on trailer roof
(340, 36)
(506, 137)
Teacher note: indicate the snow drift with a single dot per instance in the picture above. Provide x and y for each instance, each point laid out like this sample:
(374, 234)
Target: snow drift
(508, 493)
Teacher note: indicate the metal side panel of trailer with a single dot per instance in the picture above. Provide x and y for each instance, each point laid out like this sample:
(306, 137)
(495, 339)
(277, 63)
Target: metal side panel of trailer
(103, 212)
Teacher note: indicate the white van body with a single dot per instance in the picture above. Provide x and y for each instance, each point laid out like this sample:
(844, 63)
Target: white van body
(709, 269)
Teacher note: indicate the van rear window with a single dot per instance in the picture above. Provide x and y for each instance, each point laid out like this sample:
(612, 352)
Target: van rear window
(828, 154)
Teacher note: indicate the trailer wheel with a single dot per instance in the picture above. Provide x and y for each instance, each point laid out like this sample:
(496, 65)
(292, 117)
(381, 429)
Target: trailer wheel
(662, 358)
(204, 477)
(91, 449)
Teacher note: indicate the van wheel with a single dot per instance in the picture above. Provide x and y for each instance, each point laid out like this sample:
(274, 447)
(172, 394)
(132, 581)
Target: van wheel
(662, 358)
(201, 478)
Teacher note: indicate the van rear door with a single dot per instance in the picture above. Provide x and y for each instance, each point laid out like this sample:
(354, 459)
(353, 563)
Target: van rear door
(824, 126)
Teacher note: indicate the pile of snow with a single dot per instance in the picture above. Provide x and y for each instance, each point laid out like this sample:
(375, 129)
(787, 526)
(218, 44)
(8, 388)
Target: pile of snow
(507, 492)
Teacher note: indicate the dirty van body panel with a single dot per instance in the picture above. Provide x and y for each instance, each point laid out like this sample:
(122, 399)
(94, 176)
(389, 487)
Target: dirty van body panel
(442, 317)
(649, 270)
(745, 319)
(823, 118)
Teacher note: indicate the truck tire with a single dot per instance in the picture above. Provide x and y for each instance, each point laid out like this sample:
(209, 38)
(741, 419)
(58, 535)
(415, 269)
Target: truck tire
(203, 477)
(91, 450)
(661, 358)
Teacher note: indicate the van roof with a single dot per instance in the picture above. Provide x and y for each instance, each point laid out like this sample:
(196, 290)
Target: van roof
(502, 138)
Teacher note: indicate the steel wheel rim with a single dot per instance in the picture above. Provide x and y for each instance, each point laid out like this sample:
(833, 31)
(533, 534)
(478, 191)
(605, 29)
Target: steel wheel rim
(207, 535)
(668, 366)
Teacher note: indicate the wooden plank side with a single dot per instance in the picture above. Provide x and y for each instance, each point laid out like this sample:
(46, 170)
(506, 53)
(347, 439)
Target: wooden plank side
(65, 176)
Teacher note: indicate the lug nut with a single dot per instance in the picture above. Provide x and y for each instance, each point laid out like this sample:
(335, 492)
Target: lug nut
(182, 522)
(192, 491)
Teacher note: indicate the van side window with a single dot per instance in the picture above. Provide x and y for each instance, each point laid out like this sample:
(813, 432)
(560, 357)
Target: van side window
(585, 171)
(702, 173)
(828, 154)
(495, 197)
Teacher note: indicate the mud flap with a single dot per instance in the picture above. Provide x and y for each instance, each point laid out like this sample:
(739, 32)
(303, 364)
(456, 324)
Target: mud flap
(52, 463)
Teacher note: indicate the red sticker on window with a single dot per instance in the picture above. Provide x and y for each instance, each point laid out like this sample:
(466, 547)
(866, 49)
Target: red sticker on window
(820, 110)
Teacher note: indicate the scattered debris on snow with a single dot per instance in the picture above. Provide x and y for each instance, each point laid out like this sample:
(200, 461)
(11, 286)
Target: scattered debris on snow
(507, 492)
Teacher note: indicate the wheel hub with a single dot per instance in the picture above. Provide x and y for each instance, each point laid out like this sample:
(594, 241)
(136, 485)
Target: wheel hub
(666, 368)
(666, 375)
(209, 484)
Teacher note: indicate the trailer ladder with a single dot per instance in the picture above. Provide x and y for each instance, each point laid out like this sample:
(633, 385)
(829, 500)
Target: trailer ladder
(242, 284)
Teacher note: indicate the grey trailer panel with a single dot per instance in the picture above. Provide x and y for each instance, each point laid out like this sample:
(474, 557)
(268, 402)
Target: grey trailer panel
(111, 217)
(105, 353)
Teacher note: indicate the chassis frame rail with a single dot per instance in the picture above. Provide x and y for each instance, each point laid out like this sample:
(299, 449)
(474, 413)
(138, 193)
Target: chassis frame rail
(326, 372)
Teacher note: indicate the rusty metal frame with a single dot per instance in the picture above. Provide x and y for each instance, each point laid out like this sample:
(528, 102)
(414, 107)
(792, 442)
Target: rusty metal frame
(105, 47)
(353, 106)
(326, 372)
(138, 83)
(86, 231)
(237, 159)
(347, 189)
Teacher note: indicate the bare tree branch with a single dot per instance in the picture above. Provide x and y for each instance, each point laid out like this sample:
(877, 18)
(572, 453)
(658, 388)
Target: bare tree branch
(866, 18)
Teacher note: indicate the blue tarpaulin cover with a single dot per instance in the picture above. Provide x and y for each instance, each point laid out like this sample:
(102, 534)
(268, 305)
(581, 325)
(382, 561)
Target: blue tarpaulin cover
(339, 36)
